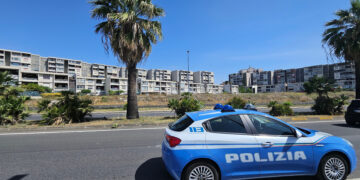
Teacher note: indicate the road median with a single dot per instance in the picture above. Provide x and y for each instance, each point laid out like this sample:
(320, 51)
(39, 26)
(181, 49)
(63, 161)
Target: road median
(142, 122)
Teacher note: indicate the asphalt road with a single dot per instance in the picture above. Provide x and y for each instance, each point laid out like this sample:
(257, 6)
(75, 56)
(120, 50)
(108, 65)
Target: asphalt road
(107, 154)
(113, 114)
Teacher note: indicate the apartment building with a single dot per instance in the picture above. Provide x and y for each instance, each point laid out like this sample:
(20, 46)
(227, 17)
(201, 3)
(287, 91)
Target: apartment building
(63, 74)
(248, 77)
(214, 88)
(159, 75)
(292, 80)
(155, 86)
(234, 89)
(182, 76)
(142, 74)
(204, 77)
(344, 75)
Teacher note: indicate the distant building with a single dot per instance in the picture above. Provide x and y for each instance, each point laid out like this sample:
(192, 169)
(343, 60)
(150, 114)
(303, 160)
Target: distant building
(292, 80)
(204, 77)
(62, 74)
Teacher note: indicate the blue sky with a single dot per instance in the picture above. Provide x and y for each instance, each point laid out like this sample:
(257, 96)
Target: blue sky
(222, 35)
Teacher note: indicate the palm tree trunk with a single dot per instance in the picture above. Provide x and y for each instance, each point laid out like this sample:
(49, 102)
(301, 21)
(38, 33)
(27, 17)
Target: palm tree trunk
(132, 106)
(357, 79)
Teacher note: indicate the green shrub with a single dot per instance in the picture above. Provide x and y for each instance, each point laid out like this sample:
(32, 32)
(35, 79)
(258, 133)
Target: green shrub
(186, 103)
(328, 105)
(85, 91)
(12, 104)
(280, 109)
(237, 102)
(36, 87)
(243, 89)
(69, 109)
(323, 103)
(111, 93)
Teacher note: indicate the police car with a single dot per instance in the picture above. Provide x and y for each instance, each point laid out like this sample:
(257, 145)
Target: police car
(243, 144)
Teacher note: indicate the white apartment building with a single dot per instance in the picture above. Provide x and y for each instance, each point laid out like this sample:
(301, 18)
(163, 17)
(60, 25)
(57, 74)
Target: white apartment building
(204, 77)
(182, 76)
(62, 74)
(154, 86)
(159, 75)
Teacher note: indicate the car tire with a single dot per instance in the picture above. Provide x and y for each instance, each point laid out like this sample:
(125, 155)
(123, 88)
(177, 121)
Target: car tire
(350, 123)
(332, 165)
(202, 168)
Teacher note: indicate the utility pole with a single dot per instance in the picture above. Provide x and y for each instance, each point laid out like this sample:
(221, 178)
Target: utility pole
(188, 74)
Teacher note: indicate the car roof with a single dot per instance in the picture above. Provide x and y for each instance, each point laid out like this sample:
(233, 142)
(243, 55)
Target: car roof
(207, 114)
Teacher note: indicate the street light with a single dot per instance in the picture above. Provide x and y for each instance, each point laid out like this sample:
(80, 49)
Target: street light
(188, 74)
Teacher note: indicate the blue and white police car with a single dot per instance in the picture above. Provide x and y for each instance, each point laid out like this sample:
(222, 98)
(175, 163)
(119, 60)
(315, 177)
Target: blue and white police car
(244, 144)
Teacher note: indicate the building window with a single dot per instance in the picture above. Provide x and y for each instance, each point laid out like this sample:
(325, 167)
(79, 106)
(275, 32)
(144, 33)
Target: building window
(46, 76)
(15, 64)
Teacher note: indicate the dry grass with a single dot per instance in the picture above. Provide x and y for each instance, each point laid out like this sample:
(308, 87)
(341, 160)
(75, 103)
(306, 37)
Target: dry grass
(162, 100)
(114, 123)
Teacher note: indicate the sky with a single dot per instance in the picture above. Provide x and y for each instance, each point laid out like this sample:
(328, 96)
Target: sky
(223, 36)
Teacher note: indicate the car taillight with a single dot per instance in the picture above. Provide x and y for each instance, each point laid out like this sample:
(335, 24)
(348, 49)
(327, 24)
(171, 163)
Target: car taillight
(173, 141)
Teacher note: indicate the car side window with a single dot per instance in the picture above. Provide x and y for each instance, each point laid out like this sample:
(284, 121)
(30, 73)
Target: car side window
(265, 125)
(227, 124)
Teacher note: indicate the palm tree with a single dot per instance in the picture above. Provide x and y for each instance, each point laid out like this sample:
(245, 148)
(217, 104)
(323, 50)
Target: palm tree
(129, 29)
(342, 38)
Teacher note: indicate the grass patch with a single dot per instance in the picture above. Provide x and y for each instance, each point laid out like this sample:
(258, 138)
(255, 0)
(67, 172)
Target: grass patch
(112, 123)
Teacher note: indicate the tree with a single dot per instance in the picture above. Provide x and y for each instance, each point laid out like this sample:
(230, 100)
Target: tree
(5, 81)
(11, 103)
(186, 103)
(69, 109)
(323, 103)
(280, 109)
(342, 38)
(129, 29)
(36, 87)
(237, 102)
(321, 86)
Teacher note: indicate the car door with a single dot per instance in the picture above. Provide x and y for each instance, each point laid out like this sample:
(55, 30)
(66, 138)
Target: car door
(282, 153)
(232, 145)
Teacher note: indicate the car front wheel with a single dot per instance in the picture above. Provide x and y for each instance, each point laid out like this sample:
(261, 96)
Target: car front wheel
(333, 167)
(201, 171)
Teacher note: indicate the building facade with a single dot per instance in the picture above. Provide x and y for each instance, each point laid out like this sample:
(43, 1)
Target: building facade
(292, 80)
(62, 74)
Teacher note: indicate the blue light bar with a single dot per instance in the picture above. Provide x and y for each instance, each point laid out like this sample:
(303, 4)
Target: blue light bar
(218, 107)
(228, 108)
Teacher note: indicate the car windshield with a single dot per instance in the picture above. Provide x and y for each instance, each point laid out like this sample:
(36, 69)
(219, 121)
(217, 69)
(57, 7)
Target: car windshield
(181, 124)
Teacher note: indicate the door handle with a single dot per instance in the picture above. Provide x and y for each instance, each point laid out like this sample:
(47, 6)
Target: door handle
(267, 144)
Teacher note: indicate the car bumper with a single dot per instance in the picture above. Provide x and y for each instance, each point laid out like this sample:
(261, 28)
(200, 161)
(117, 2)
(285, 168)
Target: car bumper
(170, 161)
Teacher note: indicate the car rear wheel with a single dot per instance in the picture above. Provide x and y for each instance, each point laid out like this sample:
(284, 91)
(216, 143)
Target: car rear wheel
(333, 167)
(350, 123)
(201, 171)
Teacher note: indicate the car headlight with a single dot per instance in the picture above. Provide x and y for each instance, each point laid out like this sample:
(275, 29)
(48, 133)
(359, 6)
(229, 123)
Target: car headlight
(347, 141)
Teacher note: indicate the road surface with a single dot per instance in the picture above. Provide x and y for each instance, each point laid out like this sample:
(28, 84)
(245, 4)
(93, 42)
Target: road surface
(107, 154)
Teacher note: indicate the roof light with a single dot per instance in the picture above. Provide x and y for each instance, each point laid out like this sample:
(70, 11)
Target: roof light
(228, 108)
(250, 106)
(218, 107)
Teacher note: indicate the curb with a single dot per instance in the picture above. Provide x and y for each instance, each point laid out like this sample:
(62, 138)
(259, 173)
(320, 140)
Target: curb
(312, 118)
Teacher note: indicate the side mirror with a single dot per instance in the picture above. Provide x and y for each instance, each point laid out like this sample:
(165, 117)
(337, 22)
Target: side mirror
(298, 133)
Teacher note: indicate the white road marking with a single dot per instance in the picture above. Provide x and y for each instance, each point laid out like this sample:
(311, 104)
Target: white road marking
(129, 129)
(309, 122)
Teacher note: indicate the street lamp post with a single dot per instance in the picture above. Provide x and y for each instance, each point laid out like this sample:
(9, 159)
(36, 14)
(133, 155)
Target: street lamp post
(188, 74)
